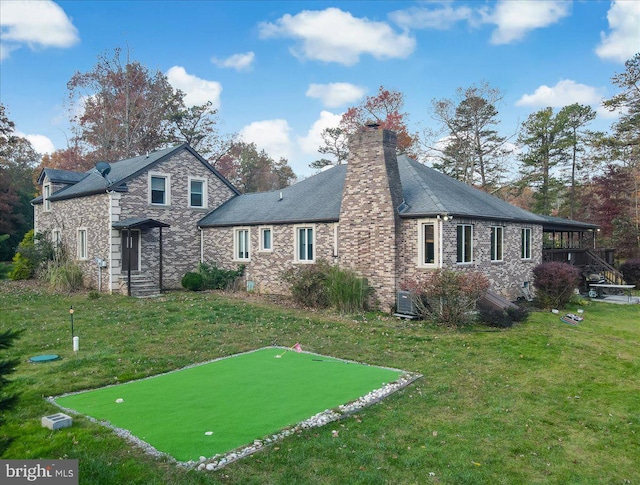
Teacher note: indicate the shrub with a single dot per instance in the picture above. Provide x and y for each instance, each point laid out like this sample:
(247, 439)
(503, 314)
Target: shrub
(63, 275)
(346, 291)
(631, 272)
(448, 297)
(5, 269)
(493, 317)
(33, 251)
(192, 281)
(308, 284)
(214, 278)
(555, 284)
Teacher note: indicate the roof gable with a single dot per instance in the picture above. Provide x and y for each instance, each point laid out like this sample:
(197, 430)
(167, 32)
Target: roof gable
(93, 182)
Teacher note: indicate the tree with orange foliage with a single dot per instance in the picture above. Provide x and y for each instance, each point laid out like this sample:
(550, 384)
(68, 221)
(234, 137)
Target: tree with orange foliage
(384, 109)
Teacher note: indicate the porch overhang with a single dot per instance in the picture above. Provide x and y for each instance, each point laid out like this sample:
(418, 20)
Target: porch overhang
(138, 223)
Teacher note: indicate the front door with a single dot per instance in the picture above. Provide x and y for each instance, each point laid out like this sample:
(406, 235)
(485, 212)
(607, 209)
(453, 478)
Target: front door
(130, 249)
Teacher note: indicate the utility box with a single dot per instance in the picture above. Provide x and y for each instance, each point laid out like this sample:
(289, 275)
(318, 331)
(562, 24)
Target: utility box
(405, 308)
(57, 421)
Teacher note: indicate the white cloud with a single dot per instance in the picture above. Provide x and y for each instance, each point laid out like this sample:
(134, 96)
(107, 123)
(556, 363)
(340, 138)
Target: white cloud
(272, 136)
(310, 143)
(605, 113)
(197, 91)
(517, 19)
(335, 94)
(239, 62)
(438, 18)
(623, 40)
(332, 35)
(40, 143)
(562, 94)
(40, 23)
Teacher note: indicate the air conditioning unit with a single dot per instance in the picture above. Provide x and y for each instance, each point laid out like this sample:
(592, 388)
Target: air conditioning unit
(405, 308)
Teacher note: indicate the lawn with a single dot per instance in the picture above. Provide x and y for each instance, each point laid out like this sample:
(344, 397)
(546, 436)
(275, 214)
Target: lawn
(543, 402)
(217, 407)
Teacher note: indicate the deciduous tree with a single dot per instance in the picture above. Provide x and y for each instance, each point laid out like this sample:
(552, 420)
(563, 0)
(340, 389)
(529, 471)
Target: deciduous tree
(251, 170)
(384, 109)
(17, 162)
(121, 109)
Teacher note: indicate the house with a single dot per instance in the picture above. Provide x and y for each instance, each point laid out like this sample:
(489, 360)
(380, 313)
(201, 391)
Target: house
(389, 218)
(134, 226)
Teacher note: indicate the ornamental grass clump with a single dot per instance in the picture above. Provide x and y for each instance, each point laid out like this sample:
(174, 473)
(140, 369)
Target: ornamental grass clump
(555, 284)
(448, 297)
(346, 291)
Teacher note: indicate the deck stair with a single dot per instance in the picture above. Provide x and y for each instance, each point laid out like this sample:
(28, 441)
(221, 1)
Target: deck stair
(598, 266)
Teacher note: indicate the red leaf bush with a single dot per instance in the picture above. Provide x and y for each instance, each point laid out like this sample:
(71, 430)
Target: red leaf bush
(448, 297)
(555, 284)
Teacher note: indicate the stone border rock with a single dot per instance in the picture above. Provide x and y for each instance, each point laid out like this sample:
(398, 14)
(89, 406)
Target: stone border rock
(219, 461)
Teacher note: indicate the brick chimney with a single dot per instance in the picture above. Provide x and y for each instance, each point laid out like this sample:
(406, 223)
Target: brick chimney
(369, 227)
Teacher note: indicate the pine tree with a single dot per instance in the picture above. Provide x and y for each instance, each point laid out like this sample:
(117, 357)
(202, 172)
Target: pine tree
(7, 399)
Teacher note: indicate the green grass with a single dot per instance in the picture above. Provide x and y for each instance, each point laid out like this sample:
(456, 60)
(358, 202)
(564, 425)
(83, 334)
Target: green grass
(543, 402)
(237, 400)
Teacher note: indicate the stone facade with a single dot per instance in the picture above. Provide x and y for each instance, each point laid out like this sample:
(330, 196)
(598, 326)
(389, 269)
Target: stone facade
(264, 268)
(505, 276)
(369, 221)
(97, 213)
(372, 239)
(369, 235)
(66, 218)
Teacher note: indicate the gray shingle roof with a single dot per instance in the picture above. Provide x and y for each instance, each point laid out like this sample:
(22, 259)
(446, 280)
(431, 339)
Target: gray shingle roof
(314, 199)
(58, 176)
(92, 182)
(426, 191)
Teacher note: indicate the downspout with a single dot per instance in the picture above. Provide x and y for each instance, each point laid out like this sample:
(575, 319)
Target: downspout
(201, 244)
(440, 242)
(129, 261)
(160, 257)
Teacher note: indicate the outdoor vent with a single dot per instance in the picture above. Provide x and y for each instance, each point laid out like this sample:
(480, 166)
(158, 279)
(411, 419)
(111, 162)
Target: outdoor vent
(404, 305)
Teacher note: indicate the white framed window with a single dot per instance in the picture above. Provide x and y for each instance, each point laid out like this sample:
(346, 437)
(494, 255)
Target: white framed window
(82, 243)
(197, 193)
(159, 189)
(305, 244)
(497, 243)
(428, 243)
(266, 239)
(525, 252)
(56, 238)
(46, 193)
(241, 244)
(464, 251)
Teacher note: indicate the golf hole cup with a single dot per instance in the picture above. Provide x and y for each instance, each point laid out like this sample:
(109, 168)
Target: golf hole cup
(76, 343)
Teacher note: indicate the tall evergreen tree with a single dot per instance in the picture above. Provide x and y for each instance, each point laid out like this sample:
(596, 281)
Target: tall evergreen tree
(467, 144)
(545, 138)
(8, 399)
(576, 117)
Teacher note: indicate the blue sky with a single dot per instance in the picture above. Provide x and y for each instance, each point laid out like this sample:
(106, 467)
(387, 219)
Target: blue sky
(280, 72)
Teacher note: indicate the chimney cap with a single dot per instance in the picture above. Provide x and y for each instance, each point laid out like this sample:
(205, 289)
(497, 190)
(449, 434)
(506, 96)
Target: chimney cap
(374, 125)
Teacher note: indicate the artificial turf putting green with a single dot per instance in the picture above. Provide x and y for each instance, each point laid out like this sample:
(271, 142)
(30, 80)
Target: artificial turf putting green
(239, 398)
